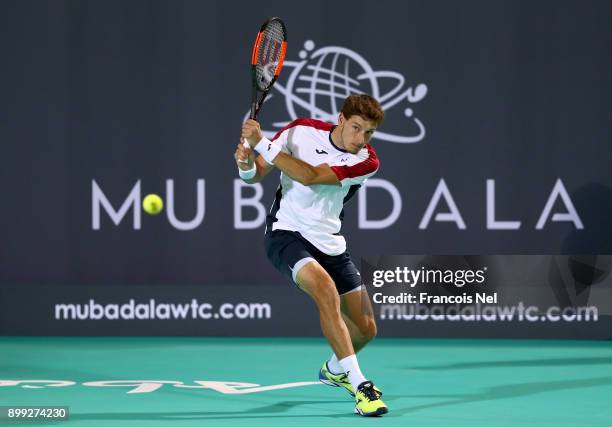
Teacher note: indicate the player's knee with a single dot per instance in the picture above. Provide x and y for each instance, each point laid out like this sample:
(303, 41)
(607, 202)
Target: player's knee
(369, 329)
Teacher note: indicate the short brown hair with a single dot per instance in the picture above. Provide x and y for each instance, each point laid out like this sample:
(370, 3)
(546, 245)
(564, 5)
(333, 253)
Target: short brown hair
(365, 106)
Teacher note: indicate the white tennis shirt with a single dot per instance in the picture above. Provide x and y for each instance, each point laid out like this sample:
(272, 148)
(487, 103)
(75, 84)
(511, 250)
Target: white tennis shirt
(316, 211)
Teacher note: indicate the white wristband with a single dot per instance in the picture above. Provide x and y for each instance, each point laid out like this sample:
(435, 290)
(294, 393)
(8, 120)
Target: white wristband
(248, 174)
(268, 149)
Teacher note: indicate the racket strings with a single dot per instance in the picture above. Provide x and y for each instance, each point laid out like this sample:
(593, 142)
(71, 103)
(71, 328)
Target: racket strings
(269, 53)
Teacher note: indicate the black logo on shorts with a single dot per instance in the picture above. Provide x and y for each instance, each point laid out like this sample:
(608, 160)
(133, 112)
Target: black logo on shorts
(320, 151)
(269, 146)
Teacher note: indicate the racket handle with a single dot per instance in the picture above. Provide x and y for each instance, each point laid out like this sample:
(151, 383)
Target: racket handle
(245, 144)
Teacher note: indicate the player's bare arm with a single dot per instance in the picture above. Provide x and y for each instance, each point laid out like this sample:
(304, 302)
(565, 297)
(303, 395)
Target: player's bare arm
(305, 173)
(298, 170)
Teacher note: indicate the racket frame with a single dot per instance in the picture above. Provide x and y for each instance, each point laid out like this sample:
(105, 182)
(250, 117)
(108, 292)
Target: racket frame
(256, 99)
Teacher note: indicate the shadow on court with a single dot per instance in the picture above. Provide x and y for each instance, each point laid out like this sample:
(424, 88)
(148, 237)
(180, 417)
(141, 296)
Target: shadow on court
(274, 410)
(574, 361)
(507, 391)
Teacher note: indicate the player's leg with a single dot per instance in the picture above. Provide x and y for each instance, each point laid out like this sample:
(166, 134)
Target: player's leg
(355, 303)
(299, 260)
(359, 319)
(358, 316)
(293, 256)
(316, 282)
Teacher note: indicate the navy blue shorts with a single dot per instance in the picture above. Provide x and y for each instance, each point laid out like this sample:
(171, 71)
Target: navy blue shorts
(288, 251)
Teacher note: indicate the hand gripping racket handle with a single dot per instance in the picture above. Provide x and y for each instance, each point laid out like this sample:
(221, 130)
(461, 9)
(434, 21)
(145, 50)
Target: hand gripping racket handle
(245, 144)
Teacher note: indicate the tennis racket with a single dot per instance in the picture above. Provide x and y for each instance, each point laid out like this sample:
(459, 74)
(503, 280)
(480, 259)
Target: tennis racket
(266, 62)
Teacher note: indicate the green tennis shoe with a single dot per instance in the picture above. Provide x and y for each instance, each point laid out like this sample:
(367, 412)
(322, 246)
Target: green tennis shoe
(339, 380)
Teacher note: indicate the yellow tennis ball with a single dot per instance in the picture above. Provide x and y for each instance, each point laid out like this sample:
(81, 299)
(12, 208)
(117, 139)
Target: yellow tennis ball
(152, 204)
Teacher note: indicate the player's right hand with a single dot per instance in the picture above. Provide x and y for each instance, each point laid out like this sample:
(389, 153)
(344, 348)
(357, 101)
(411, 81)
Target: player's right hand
(242, 153)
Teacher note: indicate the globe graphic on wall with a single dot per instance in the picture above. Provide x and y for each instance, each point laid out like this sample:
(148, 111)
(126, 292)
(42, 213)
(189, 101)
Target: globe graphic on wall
(327, 78)
(317, 85)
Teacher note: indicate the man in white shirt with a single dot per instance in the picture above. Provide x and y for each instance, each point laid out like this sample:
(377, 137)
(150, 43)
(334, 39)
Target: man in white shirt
(322, 166)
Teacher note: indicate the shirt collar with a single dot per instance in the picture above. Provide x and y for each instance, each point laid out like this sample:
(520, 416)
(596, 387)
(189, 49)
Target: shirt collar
(332, 142)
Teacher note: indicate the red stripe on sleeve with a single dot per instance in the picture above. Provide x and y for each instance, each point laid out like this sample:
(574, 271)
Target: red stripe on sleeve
(362, 168)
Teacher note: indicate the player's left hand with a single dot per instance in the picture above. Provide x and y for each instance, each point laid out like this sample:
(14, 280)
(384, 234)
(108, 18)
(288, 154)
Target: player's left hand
(251, 131)
(244, 157)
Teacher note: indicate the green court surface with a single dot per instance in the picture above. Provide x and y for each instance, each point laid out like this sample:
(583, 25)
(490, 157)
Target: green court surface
(426, 382)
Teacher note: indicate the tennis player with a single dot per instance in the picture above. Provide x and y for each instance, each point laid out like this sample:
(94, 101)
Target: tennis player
(322, 166)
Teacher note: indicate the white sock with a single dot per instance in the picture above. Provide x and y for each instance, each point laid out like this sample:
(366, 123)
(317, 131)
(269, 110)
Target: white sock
(351, 368)
(334, 365)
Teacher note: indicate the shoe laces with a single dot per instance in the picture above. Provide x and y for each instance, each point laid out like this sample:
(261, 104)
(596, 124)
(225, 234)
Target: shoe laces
(367, 388)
